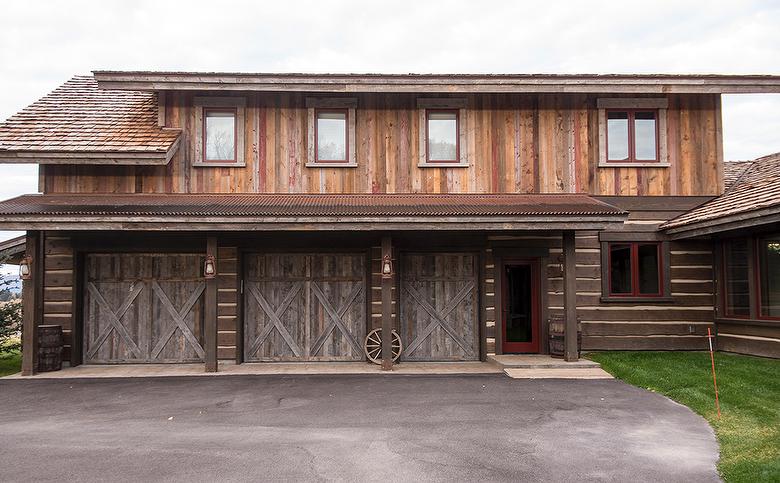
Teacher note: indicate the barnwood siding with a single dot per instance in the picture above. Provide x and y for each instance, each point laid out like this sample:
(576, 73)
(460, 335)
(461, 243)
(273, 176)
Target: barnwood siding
(58, 286)
(515, 143)
(758, 338)
(228, 303)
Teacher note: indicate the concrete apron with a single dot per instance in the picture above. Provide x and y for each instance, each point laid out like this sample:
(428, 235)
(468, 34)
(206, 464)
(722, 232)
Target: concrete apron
(514, 366)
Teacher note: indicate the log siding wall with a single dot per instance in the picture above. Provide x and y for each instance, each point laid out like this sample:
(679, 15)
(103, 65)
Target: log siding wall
(515, 143)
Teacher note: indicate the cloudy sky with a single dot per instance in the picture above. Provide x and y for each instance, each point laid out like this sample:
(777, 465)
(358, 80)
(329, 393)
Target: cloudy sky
(43, 43)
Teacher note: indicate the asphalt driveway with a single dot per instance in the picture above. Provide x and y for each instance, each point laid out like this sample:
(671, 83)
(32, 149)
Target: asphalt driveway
(464, 428)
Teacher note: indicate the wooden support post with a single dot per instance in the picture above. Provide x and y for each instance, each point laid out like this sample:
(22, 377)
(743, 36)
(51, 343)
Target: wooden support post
(387, 308)
(570, 297)
(29, 306)
(210, 323)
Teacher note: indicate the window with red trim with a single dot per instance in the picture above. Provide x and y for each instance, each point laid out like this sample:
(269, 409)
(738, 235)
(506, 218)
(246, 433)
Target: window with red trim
(219, 135)
(330, 136)
(632, 135)
(736, 278)
(441, 136)
(769, 278)
(635, 269)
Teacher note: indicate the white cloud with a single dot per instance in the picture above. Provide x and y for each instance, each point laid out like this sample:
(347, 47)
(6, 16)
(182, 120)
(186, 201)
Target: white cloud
(43, 43)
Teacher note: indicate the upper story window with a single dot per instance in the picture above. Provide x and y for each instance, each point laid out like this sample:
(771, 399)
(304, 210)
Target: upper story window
(632, 132)
(219, 137)
(442, 136)
(331, 136)
(331, 132)
(442, 133)
(635, 269)
(632, 135)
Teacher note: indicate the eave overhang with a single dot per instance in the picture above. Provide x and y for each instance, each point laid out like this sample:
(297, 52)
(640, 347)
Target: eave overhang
(740, 221)
(118, 158)
(439, 83)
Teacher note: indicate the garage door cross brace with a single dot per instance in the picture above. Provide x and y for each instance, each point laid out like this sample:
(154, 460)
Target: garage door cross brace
(274, 316)
(178, 318)
(113, 319)
(439, 317)
(336, 317)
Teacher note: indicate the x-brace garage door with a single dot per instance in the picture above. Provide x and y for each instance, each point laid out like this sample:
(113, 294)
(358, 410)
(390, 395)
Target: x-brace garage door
(439, 307)
(143, 308)
(304, 307)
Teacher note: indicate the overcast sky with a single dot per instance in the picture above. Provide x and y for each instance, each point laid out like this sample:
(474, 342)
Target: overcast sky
(43, 43)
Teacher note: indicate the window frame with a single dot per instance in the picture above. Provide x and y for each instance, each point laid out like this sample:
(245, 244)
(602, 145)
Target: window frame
(631, 114)
(634, 247)
(332, 110)
(757, 270)
(442, 110)
(458, 104)
(213, 103)
(204, 134)
(724, 277)
(315, 104)
(659, 105)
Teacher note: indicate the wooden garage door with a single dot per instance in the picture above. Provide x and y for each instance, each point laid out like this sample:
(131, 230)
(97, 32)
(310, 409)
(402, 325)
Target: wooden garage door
(439, 307)
(143, 308)
(304, 307)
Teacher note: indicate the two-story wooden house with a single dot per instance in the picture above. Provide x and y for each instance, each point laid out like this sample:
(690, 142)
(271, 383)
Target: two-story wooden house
(283, 217)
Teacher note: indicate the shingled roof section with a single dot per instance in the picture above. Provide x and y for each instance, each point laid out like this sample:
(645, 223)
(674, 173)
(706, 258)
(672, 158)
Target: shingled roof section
(78, 121)
(752, 197)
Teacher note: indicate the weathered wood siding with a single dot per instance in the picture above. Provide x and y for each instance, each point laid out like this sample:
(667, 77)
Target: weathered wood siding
(59, 286)
(515, 143)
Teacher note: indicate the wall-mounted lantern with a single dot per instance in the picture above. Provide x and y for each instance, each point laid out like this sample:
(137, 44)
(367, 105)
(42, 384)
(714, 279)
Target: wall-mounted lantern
(25, 268)
(387, 267)
(210, 267)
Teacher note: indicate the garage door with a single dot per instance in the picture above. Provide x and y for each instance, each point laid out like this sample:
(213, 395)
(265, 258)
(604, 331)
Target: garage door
(143, 308)
(304, 307)
(439, 307)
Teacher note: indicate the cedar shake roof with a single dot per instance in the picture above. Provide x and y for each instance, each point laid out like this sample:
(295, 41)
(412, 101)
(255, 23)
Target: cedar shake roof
(250, 210)
(752, 198)
(78, 121)
(732, 170)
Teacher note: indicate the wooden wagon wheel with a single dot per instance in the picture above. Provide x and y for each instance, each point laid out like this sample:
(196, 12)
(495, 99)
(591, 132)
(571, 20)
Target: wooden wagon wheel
(373, 346)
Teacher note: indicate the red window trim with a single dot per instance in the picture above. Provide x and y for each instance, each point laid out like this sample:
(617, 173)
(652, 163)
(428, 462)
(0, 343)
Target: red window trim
(634, 247)
(758, 269)
(457, 137)
(222, 110)
(632, 137)
(724, 277)
(317, 113)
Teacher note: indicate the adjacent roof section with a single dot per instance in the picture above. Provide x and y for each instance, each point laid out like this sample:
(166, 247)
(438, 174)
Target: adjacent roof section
(438, 83)
(12, 250)
(732, 170)
(307, 212)
(752, 199)
(79, 123)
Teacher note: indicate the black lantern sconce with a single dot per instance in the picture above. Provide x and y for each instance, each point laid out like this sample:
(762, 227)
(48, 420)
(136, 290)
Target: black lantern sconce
(387, 267)
(25, 268)
(210, 267)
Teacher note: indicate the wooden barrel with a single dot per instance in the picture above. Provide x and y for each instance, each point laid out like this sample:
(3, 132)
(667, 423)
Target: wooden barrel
(49, 336)
(49, 348)
(556, 330)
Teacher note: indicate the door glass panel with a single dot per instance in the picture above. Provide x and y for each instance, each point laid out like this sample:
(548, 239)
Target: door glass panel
(620, 269)
(519, 317)
(737, 285)
(617, 136)
(648, 269)
(769, 271)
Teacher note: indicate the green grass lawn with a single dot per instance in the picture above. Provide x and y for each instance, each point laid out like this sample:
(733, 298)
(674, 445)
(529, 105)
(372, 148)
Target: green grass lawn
(10, 363)
(749, 387)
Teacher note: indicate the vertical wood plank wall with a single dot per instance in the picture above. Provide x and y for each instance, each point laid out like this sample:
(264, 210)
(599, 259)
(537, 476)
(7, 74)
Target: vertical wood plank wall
(516, 143)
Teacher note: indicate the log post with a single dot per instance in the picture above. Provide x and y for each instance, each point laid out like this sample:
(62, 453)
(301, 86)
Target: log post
(570, 297)
(29, 305)
(387, 307)
(210, 323)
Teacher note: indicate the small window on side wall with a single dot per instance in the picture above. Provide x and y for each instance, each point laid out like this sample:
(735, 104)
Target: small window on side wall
(442, 136)
(635, 270)
(632, 136)
(219, 135)
(331, 136)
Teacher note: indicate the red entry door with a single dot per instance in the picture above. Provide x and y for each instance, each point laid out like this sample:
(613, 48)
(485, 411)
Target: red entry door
(520, 306)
